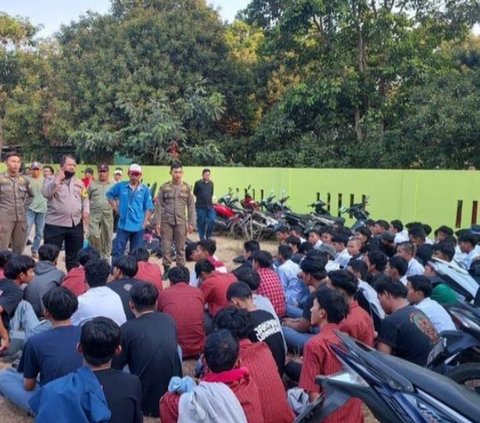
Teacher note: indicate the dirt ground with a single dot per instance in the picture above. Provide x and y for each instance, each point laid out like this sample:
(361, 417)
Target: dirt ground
(227, 250)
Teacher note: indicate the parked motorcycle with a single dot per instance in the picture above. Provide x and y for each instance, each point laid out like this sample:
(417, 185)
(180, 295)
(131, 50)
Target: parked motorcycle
(321, 217)
(395, 390)
(358, 212)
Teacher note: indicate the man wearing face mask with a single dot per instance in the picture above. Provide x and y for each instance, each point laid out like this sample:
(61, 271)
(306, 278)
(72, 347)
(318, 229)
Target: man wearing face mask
(68, 210)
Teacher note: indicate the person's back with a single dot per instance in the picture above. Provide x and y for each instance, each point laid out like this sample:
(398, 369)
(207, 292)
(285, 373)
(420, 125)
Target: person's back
(147, 272)
(270, 287)
(358, 324)
(75, 278)
(46, 277)
(185, 304)
(149, 347)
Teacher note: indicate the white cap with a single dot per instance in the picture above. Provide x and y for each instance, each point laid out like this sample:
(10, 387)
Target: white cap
(118, 172)
(135, 168)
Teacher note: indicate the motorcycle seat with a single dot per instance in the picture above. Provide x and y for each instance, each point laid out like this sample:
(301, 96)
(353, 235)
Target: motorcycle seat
(443, 389)
(340, 220)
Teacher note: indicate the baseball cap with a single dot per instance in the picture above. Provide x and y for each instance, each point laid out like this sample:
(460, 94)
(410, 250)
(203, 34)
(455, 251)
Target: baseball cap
(35, 165)
(135, 168)
(118, 172)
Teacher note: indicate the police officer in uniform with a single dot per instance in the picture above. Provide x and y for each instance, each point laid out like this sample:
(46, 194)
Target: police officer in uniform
(15, 197)
(174, 199)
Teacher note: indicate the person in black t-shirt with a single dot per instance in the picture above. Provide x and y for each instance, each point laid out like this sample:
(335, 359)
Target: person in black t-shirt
(149, 346)
(99, 343)
(123, 272)
(265, 326)
(203, 191)
(406, 332)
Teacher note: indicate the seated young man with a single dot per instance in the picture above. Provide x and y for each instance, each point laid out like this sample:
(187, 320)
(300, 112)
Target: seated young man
(95, 392)
(99, 300)
(354, 247)
(258, 359)
(75, 279)
(226, 392)
(419, 292)
(46, 276)
(406, 332)
(376, 264)
(50, 354)
(265, 328)
(397, 268)
(358, 323)
(249, 249)
(329, 309)
(185, 304)
(149, 346)
(340, 242)
(205, 250)
(147, 272)
(314, 238)
(124, 269)
(407, 251)
(270, 285)
(294, 243)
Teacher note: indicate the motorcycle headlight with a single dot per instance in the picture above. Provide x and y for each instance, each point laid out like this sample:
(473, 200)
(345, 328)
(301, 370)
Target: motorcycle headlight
(464, 320)
(348, 375)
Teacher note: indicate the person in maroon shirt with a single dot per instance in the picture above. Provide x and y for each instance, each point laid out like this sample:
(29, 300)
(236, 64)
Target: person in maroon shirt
(259, 361)
(75, 279)
(214, 285)
(329, 309)
(147, 272)
(221, 356)
(270, 285)
(205, 250)
(185, 304)
(358, 323)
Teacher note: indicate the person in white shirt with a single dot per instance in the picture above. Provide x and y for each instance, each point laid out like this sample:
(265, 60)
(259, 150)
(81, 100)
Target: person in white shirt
(298, 232)
(468, 244)
(353, 248)
(99, 300)
(340, 242)
(407, 251)
(396, 268)
(442, 233)
(401, 234)
(314, 238)
(419, 291)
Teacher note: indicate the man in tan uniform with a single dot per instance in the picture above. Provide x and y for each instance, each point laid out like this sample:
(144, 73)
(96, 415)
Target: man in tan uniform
(15, 197)
(174, 199)
(100, 230)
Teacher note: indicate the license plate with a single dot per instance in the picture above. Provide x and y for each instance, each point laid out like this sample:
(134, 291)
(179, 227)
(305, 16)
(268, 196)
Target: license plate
(438, 349)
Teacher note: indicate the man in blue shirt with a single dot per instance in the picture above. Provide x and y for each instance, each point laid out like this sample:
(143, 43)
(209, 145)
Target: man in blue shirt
(132, 201)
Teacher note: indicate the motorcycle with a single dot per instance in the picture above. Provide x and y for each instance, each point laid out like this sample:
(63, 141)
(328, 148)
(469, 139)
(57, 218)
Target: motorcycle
(321, 217)
(227, 213)
(395, 390)
(359, 213)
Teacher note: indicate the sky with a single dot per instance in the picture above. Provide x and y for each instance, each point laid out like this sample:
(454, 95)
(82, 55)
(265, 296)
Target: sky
(52, 13)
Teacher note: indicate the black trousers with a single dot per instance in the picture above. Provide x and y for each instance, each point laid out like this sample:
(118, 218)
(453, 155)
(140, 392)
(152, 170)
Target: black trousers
(73, 238)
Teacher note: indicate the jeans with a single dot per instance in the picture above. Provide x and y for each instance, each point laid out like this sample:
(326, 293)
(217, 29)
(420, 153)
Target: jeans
(37, 219)
(296, 340)
(294, 312)
(205, 222)
(11, 387)
(120, 243)
(73, 237)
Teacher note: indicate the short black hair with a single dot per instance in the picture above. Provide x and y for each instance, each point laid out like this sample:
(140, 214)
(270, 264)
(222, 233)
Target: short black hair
(251, 246)
(49, 168)
(263, 258)
(285, 251)
(340, 238)
(221, 351)
(11, 154)
(100, 338)
(179, 274)
(88, 170)
(445, 230)
(333, 303)
(391, 286)
(203, 266)
(48, 252)
(397, 224)
(383, 223)
(417, 232)
(5, 256)
(408, 247)
(314, 266)
(469, 238)
(18, 264)
(208, 245)
(427, 229)
(205, 171)
(238, 321)
(399, 263)
(127, 264)
(97, 272)
(144, 295)
(140, 254)
(65, 157)
(364, 231)
(282, 229)
(421, 283)
(411, 225)
(176, 165)
(305, 248)
(249, 276)
(315, 231)
(87, 254)
(293, 240)
(359, 266)
(377, 258)
(446, 248)
(239, 290)
(297, 230)
(60, 302)
(343, 279)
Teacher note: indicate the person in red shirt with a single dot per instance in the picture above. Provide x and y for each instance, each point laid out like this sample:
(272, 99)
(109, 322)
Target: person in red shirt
(358, 323)
(147, 272)
(329, 309)
(205, 250)
(88, 177)
(259, 361)
(185, 304)
(75, 279)
(214, 285)
(270, 285)
(221, 356)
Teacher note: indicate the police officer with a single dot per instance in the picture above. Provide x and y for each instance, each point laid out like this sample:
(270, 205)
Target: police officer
(15, 197)
(100, 230)
(174, 199)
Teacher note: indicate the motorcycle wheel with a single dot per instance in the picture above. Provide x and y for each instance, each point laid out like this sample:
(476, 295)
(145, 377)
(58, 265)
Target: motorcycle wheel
(467, 375)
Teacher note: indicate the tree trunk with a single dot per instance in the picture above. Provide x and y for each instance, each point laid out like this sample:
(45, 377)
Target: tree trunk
(1, 138)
